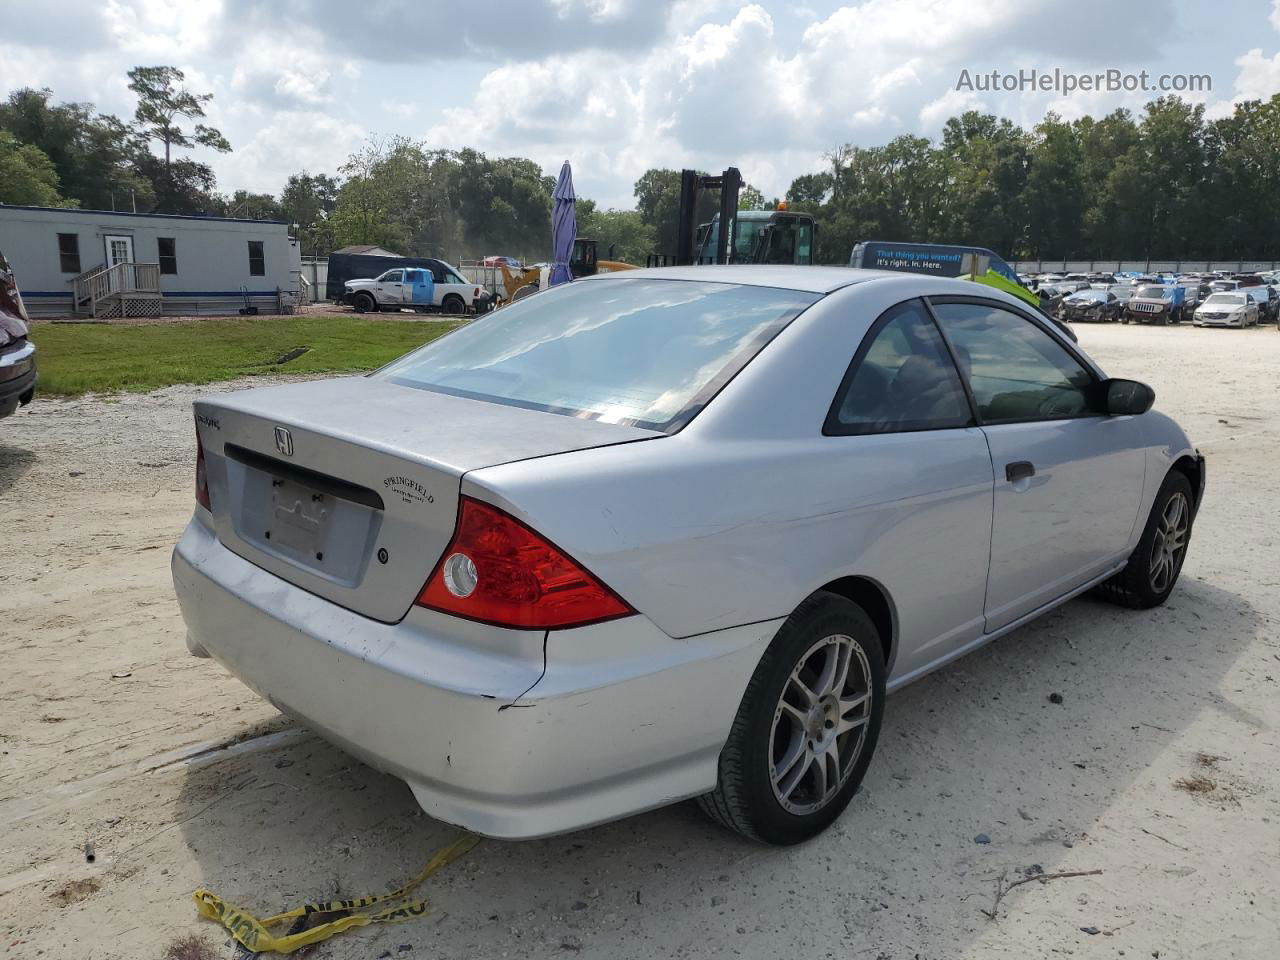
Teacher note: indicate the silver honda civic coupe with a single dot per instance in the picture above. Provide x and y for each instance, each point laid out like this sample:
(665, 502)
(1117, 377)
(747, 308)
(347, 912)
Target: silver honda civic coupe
(668, 534)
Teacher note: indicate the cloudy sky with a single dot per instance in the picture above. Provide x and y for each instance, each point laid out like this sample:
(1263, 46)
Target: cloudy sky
(618, 86)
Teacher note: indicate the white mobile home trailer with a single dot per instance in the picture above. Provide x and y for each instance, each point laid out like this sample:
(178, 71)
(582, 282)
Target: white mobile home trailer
(110, 264)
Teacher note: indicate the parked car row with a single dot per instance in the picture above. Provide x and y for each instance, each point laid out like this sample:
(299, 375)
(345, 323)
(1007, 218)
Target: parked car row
(1160, 298)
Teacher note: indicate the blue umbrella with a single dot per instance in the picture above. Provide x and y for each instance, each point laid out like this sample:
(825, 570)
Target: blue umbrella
(564, 226)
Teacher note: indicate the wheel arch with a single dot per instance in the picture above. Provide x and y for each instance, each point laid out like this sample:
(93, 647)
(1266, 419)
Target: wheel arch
(872, 597)
(1190, 468)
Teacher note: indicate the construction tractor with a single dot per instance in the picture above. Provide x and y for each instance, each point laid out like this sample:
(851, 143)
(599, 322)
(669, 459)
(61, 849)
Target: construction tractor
(781, 235)
(583, 262)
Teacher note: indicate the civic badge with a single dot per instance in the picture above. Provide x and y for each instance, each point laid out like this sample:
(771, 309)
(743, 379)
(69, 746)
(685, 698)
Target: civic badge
(284, 441)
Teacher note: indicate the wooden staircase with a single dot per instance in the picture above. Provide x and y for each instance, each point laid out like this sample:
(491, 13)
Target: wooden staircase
(122, 290)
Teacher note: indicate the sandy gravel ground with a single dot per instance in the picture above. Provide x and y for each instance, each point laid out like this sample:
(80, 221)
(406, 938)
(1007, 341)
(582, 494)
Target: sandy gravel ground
(1159, 768)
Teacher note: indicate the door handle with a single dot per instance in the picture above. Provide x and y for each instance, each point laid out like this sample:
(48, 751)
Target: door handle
(1019, 470)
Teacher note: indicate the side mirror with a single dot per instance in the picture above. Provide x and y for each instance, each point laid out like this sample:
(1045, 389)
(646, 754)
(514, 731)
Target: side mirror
(1128, 398)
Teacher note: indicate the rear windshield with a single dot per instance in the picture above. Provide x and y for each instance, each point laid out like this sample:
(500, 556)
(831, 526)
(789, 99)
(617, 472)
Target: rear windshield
(643, 352)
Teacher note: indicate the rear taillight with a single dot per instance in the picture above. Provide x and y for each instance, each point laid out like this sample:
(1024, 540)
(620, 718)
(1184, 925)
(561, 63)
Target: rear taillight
(496, 570)
(202, 476)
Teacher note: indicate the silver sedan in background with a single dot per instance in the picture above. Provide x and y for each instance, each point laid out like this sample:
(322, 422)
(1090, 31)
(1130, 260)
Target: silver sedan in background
(669, 534)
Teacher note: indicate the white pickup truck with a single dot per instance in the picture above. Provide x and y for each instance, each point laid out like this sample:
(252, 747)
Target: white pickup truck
(405, 287)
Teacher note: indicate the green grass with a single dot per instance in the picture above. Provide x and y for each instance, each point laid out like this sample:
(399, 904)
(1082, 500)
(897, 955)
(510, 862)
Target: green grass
(83, 358)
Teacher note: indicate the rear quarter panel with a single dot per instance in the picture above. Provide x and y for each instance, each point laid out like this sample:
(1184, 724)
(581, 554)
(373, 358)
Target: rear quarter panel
(750, 508)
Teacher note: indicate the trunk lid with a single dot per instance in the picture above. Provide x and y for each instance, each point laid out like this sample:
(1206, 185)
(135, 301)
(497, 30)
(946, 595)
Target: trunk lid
(349, 488)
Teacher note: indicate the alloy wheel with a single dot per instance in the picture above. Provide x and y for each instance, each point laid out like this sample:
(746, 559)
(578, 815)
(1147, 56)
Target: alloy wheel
(820, 724)
(1170, 542)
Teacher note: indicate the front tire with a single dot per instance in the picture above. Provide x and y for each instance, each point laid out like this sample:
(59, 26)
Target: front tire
(1153, 568)
(364, 303)
(806, 728)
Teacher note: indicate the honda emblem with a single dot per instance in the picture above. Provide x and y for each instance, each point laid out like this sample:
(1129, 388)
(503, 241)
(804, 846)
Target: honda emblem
(284, 441)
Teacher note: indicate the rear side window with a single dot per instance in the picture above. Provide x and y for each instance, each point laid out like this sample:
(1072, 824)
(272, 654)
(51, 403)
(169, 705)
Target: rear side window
(647, 353)
(1016, 371)
(902, 379)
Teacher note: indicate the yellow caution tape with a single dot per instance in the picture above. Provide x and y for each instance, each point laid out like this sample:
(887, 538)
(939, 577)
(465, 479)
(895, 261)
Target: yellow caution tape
(255, 935)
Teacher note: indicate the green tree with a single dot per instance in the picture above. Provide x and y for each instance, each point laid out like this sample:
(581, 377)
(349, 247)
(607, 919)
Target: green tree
(620, 234)
(367, 210)
(1103, 143)
(253, 206)
(809, 191)
(750, 198)
(163, 106)
(1054, 194)
(93, 154)
(27, 175)
(308, 200)
(503, 203)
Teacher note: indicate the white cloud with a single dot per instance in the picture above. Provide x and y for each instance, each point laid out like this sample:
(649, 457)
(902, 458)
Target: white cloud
(157, 28)
(616, 86)
(290, 141)
(935, 113)
(1259, 76)
(732, 92)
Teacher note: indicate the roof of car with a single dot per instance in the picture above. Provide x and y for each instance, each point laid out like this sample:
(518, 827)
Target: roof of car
(784, 276)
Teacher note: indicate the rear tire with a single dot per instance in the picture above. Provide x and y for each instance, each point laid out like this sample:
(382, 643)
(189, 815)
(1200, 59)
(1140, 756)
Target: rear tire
(813, 705)
(364, 303)
(1153, 568)
(453, 304)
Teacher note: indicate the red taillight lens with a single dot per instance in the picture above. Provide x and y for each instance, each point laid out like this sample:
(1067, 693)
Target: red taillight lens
(202, 476)
(496, 570)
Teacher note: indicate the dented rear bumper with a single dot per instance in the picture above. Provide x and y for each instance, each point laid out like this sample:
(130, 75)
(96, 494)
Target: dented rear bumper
(512, 734)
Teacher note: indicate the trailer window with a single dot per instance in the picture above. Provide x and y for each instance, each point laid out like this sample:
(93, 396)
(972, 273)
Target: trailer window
(167, 254)
(257, 259)
(69, 252)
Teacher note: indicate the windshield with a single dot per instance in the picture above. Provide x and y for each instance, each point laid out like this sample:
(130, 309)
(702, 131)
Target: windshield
(647, 353)
(1225, 300)
(1088, 295)
(1154, 293)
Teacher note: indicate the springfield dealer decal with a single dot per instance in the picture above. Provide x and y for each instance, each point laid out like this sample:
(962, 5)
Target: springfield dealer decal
(410, 491)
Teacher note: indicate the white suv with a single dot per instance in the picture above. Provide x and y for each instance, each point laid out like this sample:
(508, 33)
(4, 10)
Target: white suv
(406, 287)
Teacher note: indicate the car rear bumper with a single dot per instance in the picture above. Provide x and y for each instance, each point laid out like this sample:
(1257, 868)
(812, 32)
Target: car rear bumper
(17, 376)
(622, 718)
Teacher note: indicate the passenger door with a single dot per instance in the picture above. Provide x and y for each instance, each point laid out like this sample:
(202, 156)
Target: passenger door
(915, 485)
(1068, 478)
(391, 288)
